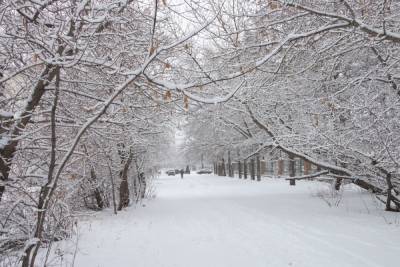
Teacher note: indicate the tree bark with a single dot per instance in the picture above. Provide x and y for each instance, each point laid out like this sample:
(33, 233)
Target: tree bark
(8, 151)
(292, 166)
(46, 191)
(245, 169)
(252, 169)
(223, 167)
(230, 170)
(240, 169)
(124, 186)
(258, 168)
(96, 191)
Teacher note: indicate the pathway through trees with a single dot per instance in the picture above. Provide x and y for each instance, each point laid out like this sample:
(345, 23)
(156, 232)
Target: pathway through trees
(204, 220)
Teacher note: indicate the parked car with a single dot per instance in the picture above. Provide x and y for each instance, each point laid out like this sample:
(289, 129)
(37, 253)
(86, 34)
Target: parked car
(177, 171)
(204, 171)
(170, 172)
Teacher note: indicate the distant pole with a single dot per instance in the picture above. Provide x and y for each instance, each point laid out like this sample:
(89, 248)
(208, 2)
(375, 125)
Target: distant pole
(202, 163)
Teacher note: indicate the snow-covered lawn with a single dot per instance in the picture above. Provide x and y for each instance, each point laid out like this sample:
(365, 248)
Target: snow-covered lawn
(210, 221)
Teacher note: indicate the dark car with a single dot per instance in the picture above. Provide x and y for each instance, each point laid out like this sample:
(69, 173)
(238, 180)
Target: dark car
(170, 172)
(204, 171)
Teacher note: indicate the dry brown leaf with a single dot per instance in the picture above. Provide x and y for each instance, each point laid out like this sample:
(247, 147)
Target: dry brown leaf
(152, 49)
(167, 96)
(273, 4)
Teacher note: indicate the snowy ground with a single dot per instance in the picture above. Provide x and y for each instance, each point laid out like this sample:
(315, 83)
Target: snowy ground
(210, 221)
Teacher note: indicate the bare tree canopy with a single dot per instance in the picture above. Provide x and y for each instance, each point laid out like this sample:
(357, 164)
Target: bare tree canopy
(91, 94)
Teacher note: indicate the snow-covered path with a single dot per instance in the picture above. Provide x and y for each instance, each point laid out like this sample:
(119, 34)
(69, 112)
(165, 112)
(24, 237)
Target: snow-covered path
(218, 221)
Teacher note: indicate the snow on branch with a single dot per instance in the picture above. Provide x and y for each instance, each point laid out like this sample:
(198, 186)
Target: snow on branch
(310, 176)
(182, 40)
(333, 168)
(214, 100)
(6, 115)
(16, 73)
(388, 35)
(343, 172)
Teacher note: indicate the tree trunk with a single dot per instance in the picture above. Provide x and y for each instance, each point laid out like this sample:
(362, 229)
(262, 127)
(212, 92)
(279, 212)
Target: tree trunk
(112, 188)
(124, 186)
(258, 168)
(8, 151)
(47, 190)
(292, 169)
(390, 198)
(240, 169)
(142, 182)
(338, 183)
(96, 191)
(123, 192)
(252, 168)
(230, 172)
(245, 169)
(136, 188)
(223, 167)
